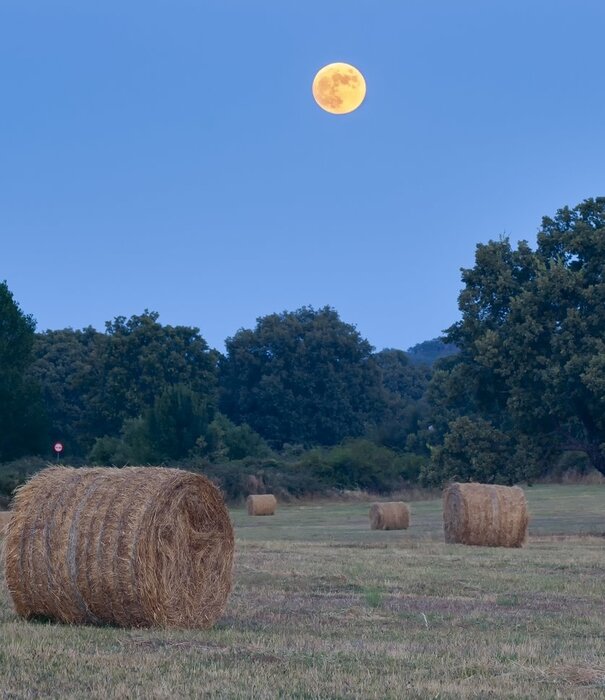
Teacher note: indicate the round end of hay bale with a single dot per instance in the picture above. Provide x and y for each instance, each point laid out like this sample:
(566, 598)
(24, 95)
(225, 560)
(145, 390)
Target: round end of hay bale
(133, 547)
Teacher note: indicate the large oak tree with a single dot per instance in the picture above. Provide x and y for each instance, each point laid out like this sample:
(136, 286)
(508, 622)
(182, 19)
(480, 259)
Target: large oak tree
(532, 336)
(302, 377)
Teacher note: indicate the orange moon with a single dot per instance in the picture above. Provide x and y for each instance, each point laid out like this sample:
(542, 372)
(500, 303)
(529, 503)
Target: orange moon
(339, 88)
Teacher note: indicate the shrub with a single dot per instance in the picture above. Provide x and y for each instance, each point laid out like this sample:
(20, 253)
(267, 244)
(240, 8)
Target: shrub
(361, 464)
(472, 450)
(13, 474)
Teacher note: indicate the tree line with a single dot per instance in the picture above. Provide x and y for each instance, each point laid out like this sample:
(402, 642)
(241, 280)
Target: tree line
(518, 381)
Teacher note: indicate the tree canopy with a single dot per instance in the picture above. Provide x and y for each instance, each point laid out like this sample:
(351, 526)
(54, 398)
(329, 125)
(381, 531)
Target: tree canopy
(22, 421)
(429, 351)
(511, 387)
(300, 377)
(532, 336)
(94, 382)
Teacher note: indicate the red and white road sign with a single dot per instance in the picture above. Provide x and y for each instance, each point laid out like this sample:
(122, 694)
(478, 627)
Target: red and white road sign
(58, 447)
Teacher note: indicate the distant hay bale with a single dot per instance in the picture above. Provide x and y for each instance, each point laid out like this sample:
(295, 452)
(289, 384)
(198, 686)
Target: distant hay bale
(485, 515)
(4, 518)
(261, 505)
(389, 516)
(135, 547)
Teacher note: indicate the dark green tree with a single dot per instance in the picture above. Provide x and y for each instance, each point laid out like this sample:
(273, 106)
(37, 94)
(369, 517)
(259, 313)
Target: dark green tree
(22, 421)
(178, 418)
(176, 426)
(473, 450)
(94, 383)
(302, 377)
(226, 441)
(138, 358)
(403, 406)
(532, 337)
(400, 376)
(361, 464)
(429, 351)
(65, 369)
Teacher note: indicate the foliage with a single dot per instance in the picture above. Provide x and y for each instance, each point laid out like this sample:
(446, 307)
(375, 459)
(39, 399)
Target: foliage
(139, 359)
(16, 472)
(361, 464)
(473, 450)
(176, 420)
(94, 383)
(400, 376)
(300, 377)
(429, 351)
(178, 427)
(403, 406)
(110, 451)
(515, 382)
(66, 370)
(237, 479)
(531, 337)
(227, 441)
(23, 426)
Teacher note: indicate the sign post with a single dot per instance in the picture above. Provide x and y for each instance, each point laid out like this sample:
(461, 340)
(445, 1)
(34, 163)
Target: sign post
(58, 448)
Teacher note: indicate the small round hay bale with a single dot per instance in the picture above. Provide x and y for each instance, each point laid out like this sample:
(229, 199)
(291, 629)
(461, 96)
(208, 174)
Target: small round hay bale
(135, 547)
(485, 515)
(261, 505)
(394, 515)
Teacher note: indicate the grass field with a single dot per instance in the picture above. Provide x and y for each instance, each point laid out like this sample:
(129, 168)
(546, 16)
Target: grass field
(324, 607)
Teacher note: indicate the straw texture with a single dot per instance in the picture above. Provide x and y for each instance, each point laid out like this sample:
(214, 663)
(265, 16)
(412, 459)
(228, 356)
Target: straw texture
(486, 515)
(135, 547)
(4, 518)
(261, 505)
(394, 515)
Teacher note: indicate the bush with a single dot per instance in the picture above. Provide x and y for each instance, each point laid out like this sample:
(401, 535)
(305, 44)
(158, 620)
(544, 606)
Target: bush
(227, 441)
(13, 474)
(472, 450)
(240, 478)
(361, 464)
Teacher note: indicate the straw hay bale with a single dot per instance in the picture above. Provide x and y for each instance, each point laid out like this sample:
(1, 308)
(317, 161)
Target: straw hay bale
(134, 547)
(486, 515)
(261, 505)
(394, 515)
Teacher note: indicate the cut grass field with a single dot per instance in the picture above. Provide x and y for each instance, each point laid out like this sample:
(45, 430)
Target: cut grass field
(324, 607)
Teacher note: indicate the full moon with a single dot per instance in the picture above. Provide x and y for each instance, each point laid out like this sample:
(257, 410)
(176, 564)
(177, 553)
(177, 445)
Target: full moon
(339, 88)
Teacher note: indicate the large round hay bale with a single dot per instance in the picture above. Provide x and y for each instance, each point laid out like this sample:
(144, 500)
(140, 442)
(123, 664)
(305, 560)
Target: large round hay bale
(394, 515)
(135, 547)
(261, 505)
(485, 515)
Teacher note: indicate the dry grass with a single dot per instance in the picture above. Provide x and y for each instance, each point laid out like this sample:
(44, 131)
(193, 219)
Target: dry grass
(581, 675)
(324, 607)
(133, 547)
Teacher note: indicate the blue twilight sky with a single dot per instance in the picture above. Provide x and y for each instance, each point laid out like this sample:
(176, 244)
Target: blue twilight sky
(168, 154)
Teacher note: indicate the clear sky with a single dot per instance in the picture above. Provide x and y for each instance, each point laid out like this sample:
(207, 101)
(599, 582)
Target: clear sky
(169, 154)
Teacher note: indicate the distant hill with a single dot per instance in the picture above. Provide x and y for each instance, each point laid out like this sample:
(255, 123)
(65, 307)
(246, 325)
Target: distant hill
(429, 351)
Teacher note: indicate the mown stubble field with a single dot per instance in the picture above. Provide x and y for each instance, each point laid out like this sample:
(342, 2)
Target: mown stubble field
(322, 607)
